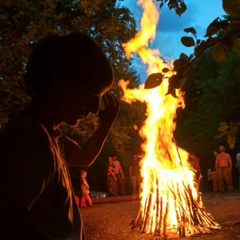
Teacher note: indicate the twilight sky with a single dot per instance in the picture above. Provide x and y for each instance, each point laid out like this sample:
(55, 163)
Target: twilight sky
(199, 14)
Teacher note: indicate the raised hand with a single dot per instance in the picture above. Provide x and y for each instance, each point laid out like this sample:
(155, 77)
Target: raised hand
(110, 111)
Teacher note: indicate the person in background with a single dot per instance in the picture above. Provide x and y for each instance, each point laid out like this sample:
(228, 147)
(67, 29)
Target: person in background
(119, 176)
(195, 167)
(85, 191)
(66, 77)
(237, 165)
(212, 174)
(134, 171)
(195, 164)
(223, 167)
(111, 178)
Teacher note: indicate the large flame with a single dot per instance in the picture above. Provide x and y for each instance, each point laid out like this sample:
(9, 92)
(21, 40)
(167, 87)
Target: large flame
(170, 200)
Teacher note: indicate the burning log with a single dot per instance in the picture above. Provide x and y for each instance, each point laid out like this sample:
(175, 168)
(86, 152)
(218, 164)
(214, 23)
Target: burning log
(190, 214)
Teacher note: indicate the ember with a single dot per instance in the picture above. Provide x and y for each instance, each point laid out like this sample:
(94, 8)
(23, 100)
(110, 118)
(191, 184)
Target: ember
(171, 204)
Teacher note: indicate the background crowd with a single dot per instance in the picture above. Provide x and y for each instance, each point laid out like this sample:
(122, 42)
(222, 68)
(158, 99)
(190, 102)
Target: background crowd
(222, 169)
(223, 174)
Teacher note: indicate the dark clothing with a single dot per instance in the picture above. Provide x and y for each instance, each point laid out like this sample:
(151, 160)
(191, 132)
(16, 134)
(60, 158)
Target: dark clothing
(224, 174)
(112, 186)
(120, 184)
(115, 187)
(111, 183)
(135, 168)
(212, 164)
(34, 175)
(135, 175)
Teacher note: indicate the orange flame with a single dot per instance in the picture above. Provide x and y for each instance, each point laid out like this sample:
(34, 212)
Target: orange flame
(164, 168)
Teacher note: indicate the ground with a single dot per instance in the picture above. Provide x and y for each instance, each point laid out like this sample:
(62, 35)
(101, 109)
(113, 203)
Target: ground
(110, 220)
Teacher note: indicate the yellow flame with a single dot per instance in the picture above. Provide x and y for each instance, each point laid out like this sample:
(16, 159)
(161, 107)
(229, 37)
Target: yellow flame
(164, 166)
(148, 25)
(165, 169)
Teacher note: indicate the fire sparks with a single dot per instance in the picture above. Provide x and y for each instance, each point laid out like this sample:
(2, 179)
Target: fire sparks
(171, 204)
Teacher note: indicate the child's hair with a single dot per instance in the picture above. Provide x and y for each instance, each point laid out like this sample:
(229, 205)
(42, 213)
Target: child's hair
(76, 58)
(82, 171)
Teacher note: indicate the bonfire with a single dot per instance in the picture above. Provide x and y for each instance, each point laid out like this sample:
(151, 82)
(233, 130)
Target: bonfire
(171, 204)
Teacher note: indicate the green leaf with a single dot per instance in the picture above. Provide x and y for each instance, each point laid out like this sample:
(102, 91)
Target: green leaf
(191, 30)
(153, 80)
(184, 59)
(188, 41)
(181, 62)
(231, 141)
(212, 29)
(165, 70)
(220, 135)
(223, 127)
(199, 49)
(174, 81)
(232, 7)
(182, 9)
(172, 91)
(216, 26)
(219, 52)
(178, 5)
(177, 64)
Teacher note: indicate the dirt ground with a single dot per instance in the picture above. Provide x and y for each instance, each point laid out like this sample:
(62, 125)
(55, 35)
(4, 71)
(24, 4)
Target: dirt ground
(111, 220)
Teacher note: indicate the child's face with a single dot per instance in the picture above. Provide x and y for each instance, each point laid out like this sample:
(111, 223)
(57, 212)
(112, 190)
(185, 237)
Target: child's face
(77, 103)
(110, 160)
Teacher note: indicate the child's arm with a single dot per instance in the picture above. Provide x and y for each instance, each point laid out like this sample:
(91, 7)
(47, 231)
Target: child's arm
(112, 173)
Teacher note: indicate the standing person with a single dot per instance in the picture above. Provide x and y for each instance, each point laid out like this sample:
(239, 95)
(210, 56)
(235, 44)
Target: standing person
(111, 178)
(134, 170)
(223, 168)
(66, 77)
(238, 168)
(212, 174)
(119, 176)
(85, 190)
(195, 164)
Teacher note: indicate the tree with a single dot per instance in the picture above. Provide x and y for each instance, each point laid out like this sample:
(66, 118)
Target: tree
(25, 22)
(196, 123)
(222, 37)
(211, 93)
